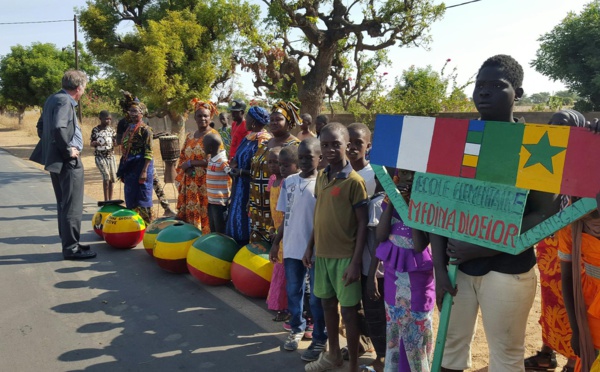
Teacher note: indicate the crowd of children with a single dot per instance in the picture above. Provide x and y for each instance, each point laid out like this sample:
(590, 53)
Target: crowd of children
(339, 246)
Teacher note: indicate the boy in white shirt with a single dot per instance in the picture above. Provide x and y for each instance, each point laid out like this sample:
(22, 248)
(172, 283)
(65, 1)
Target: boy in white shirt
(297, 201)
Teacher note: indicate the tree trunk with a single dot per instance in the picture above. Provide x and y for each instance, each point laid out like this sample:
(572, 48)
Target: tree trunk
(313, 92)
(21, 114)
(177, 123)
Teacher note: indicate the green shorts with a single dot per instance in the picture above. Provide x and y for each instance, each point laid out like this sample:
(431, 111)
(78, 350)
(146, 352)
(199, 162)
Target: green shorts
(329, 283)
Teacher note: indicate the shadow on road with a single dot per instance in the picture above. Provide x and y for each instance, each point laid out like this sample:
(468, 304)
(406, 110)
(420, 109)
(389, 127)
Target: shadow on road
(162, 321)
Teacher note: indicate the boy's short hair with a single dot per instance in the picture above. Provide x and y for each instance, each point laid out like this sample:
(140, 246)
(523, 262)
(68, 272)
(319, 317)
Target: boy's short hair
(336, 127)
(211, 139)
(512, 68)
(312, 143)
(290, 153)
(360, 127)
(322, 119)
(308, 116)
(104, 114)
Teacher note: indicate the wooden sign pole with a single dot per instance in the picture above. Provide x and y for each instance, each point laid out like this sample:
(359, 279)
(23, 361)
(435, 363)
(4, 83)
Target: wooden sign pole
(444, 321)
(400, 205)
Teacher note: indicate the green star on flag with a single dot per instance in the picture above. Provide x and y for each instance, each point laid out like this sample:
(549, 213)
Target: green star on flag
(542, 153)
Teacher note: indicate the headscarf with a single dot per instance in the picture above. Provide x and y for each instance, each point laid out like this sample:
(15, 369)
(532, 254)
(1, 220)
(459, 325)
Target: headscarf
(289, 112)
(575, 117)
(259, 114)
(197, 104)
(129, 101)
(139, 105)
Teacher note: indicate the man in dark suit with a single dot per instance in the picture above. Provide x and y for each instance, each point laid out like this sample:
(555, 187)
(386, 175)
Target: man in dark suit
(59, 149)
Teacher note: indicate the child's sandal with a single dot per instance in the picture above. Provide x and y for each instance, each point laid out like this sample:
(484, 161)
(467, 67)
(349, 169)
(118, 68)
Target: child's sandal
(281, 316)
(541, 361)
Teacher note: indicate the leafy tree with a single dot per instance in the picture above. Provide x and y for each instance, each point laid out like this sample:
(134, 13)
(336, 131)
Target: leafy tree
(357, 82)
(101, 94)
(316, 48)
(29, 74)
(567, 96)
(555, 103)
(4, 106)
(540, 107)
(177, 50)
(544, 101)
(421, 91)
(571, 53)
(541, 97)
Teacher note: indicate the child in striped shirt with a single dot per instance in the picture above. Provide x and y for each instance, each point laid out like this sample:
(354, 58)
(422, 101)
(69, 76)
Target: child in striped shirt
(218, 182)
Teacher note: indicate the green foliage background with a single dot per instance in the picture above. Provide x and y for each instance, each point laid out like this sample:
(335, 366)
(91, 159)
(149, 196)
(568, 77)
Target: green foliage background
(571, 53)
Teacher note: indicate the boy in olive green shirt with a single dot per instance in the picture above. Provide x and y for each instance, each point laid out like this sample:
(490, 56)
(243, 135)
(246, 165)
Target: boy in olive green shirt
(339, 234)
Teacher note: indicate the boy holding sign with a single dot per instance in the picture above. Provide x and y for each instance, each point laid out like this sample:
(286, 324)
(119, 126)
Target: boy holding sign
(501, 284)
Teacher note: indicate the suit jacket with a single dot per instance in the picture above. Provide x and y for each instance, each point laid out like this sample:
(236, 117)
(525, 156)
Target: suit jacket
(55, 128)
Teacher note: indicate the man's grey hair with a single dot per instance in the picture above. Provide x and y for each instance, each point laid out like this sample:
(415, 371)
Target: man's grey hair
(72, 79)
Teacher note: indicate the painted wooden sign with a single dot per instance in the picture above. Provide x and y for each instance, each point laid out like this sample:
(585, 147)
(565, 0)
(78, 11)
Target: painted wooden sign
(472, 156)
(550, 158)
(468, 210)
(431, 210)
(457, 152)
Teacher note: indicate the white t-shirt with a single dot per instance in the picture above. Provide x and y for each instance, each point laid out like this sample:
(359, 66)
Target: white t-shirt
(368, 174)
(297, 200)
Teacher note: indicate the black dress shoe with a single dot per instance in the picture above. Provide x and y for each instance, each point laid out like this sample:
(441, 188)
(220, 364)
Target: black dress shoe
(84, 247)
(78, 254)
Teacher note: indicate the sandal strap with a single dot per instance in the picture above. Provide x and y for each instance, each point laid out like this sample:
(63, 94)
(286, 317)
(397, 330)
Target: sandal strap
(541, 361)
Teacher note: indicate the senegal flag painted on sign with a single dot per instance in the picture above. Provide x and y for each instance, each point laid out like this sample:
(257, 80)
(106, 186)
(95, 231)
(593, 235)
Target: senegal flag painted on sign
(528, 156)
(539, 157)
(542, 157)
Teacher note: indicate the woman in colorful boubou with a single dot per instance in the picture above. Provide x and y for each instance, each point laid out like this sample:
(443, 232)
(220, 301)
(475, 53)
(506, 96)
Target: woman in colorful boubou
(136, 168)
(192, 201)
(238, 223)
(284, 117)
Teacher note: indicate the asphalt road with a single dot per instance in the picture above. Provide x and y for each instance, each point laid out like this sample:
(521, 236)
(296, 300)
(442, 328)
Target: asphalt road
(119, 311)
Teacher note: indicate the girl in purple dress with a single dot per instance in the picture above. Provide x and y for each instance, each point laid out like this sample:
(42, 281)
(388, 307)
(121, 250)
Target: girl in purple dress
(409, 288)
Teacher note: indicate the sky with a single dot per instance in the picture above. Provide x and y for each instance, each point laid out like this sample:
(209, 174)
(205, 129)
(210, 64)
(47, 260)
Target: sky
(467, 35)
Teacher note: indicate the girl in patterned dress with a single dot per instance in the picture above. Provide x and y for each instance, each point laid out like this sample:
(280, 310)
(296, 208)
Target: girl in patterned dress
(409, 288)
(277, 298)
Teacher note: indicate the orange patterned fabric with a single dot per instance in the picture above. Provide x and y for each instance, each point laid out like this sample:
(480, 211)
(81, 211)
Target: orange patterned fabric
(192, 201)
(198, 104)
(590, 252)
(556, 331)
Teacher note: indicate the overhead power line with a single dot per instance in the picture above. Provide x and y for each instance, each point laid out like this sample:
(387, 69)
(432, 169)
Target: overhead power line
(26, 23)
(461, 4)
(70, 20)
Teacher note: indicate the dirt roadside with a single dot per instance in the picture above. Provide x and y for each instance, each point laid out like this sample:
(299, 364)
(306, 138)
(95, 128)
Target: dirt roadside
(20, 143)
